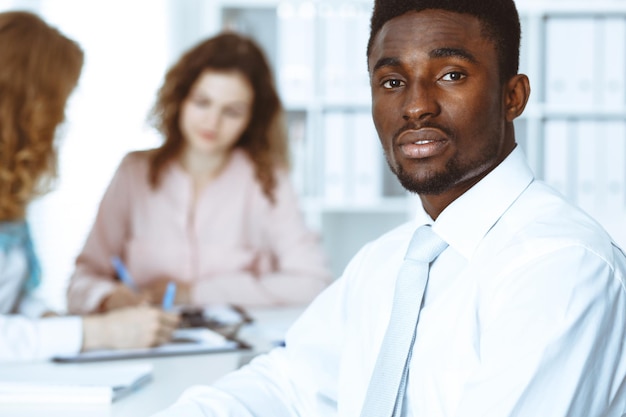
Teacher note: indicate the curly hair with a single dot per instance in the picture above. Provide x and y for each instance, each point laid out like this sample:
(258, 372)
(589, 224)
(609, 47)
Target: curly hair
(499, 19)
(40, 68)
(264, 139)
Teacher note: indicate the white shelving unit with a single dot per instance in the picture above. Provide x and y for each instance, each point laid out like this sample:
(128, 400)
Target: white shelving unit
(317, 50)
(573, 130)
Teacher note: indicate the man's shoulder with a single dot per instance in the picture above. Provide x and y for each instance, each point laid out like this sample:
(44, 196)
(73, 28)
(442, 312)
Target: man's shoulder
(542, 214)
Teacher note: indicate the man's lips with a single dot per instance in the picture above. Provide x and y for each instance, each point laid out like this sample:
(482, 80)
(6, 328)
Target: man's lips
(422, 143)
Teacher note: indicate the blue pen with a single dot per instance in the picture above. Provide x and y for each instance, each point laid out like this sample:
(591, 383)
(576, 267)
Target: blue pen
(123, 273)
(168, 297)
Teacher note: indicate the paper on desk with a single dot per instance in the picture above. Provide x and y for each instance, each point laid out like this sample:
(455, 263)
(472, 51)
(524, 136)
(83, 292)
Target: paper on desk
(185, 341)
(62, 384)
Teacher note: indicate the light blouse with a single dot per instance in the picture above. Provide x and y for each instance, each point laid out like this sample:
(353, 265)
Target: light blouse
(230, 243)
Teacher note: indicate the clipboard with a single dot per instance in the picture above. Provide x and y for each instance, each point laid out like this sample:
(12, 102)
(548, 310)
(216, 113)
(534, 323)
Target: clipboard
(188, 341)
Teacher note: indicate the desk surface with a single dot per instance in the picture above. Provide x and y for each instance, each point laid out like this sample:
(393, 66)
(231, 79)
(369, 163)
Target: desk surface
(171, 375)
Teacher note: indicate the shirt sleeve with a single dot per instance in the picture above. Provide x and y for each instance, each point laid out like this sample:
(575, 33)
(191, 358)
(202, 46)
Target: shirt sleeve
(282, 383)
(301, 271)
(93, 278)
(33, 305)
(549, 349)
(38, 339)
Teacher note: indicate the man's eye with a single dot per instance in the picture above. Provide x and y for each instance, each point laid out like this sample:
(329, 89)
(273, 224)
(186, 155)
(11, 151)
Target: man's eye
(392, 84)
(453, 76)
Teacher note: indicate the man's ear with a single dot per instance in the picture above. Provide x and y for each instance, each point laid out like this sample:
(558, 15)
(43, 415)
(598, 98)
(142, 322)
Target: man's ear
(517, 91)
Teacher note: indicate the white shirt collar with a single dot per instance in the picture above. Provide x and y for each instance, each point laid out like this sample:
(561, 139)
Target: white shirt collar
(465, 222)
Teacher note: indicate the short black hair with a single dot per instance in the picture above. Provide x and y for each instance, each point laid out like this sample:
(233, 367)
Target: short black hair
(499, 19)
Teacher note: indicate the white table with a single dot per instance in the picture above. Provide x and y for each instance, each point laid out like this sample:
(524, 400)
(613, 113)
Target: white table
(171, 375)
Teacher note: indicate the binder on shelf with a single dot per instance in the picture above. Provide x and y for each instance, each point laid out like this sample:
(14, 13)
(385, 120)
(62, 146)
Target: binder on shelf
(555, 167)
(296, 132)
(615, 166)
(612, 45)
(62, 384)
(337, 41)
(367, 163)
(360, 74)
(344, 36)
(570, 60)
(587, 144)
(296, 51)
(335, 158)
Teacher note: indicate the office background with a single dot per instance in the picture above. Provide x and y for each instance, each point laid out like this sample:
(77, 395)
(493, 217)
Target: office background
(573, 130)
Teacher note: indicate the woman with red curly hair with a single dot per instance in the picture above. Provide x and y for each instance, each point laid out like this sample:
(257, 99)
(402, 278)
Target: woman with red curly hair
(212, 208)
(40, 68)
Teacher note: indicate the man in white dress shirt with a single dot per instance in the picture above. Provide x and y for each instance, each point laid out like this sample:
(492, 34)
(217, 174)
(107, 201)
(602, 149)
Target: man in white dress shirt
(525, 310)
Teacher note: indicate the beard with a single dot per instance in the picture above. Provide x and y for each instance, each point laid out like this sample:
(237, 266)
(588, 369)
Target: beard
(435, 184)
(455, 172)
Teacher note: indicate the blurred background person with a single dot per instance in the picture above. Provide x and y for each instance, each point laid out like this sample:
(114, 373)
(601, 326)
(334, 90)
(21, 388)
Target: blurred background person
(40, 68)
(212, 208)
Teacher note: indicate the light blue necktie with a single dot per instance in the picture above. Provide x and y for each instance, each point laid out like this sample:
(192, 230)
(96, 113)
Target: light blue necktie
(385, 393)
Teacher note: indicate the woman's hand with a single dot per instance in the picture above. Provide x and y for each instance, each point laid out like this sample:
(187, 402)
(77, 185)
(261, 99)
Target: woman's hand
(155, 291)
(127, 328)
(121, 297)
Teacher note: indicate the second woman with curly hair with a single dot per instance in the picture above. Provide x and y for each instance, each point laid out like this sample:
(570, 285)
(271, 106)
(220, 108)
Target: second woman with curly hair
(40, 69)
(212, 208)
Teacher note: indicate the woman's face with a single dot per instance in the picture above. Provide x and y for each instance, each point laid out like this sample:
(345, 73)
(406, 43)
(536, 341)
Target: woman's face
(216, 112)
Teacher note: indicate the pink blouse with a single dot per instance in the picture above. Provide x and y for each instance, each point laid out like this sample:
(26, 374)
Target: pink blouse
(232, 245)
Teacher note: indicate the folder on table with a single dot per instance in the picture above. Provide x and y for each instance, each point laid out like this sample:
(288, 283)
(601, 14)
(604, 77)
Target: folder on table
(60, 384)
